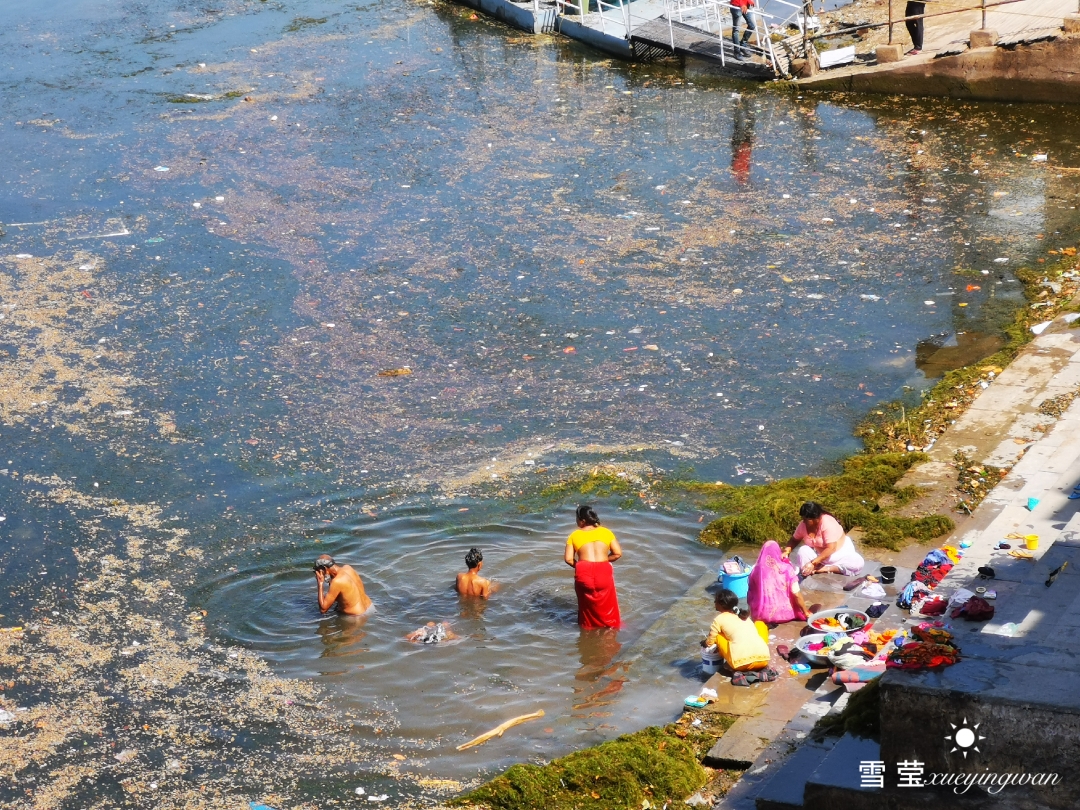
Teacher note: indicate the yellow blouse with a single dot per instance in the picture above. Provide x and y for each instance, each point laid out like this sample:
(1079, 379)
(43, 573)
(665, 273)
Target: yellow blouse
(596, 534)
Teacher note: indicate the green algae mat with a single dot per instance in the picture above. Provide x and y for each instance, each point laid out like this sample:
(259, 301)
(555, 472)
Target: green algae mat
(654, 767)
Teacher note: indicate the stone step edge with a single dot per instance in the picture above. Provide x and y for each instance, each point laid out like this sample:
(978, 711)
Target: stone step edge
(771, 761)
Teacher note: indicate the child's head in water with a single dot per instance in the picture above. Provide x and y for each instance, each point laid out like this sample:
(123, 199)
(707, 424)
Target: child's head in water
(726, 601)
(473, 558)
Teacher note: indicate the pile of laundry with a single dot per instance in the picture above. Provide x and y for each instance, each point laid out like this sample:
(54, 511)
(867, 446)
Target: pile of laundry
(918, 596)
(971, 606)
(859, 658)
(841, 622)
(926, 646)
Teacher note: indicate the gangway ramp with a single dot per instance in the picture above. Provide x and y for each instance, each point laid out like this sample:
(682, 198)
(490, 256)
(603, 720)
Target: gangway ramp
(663, 37)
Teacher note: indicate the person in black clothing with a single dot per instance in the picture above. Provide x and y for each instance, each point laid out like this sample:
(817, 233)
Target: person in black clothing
(915, 27)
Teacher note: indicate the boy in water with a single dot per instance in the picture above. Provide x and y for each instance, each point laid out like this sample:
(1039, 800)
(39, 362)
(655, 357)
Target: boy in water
(470, 583)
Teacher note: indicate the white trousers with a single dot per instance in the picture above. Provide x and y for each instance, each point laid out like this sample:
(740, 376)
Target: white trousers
(846, 558)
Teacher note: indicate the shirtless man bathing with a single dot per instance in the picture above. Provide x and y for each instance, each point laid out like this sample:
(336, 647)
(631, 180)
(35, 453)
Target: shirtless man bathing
(346, 589)
(470, 583)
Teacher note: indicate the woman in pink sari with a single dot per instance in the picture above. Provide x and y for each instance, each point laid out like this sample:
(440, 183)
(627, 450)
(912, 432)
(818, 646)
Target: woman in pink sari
(773, 594)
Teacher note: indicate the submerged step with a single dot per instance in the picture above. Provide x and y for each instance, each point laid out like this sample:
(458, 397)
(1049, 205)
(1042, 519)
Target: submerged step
(785, 789)
(837, 781)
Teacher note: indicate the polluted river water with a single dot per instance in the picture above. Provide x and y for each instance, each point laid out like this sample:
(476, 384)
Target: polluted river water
(279, 279)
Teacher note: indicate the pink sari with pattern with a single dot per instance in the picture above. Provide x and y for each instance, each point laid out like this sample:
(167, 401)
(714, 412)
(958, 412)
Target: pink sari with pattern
(770, 596)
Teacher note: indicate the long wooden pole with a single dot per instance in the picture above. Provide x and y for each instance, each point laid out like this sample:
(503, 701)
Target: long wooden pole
(890, 22)
(498, 730)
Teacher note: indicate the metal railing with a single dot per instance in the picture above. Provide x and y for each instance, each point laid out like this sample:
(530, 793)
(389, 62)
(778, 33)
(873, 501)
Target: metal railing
(764, 44)
(581, 9)
(983, 6)
(618, 16)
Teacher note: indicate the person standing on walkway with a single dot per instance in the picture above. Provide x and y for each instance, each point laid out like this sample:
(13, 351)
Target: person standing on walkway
(740, 10)
(915, 27)
(590, 551)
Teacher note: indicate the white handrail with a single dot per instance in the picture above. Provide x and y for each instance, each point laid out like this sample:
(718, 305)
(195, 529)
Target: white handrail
(761, 34)
(582, 6)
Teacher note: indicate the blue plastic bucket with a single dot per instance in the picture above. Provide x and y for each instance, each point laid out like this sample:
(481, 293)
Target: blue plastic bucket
(738, 584)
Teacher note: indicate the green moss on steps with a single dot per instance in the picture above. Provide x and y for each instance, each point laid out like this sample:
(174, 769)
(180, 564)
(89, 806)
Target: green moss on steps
(754, 514)
(658, 765)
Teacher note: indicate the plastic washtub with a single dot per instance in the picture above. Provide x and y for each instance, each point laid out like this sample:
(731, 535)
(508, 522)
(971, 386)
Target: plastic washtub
(814, 620)
(811, 638)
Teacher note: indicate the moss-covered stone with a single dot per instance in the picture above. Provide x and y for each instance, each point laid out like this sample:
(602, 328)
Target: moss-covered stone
(753, 514)
(594, 484)
(659, 765)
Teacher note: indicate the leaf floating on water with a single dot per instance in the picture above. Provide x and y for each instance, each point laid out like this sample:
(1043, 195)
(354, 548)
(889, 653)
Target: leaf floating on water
(395, 372)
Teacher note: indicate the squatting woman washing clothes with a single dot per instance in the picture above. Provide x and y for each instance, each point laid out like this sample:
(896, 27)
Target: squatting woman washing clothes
(824, 547)
(590, 551)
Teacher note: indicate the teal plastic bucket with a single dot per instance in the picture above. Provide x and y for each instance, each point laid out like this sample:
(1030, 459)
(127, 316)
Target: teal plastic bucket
(738, 584)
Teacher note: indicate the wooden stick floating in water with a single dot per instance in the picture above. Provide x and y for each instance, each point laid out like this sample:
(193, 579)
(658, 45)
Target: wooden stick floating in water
(498, 730)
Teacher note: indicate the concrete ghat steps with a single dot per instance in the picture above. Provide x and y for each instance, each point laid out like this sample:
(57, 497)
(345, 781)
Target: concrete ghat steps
(836, 780)
(784, 791)
(1021, 691)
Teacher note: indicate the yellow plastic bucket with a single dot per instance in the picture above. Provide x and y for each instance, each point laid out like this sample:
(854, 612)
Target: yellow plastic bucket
(1032, 541)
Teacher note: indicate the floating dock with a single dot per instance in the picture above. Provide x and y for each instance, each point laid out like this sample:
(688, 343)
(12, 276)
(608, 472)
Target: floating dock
(1000, 50)
(643, 30)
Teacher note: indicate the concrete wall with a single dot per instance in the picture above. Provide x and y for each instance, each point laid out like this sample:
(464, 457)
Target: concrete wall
(1031, 732)
(540, 22)
(1040, 72)
(615, 46)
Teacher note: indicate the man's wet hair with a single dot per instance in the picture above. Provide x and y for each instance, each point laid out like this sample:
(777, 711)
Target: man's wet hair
(473, 558)
(323, 562)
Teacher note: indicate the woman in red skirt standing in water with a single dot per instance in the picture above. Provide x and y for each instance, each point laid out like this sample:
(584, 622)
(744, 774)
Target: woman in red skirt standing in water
(590, 551)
